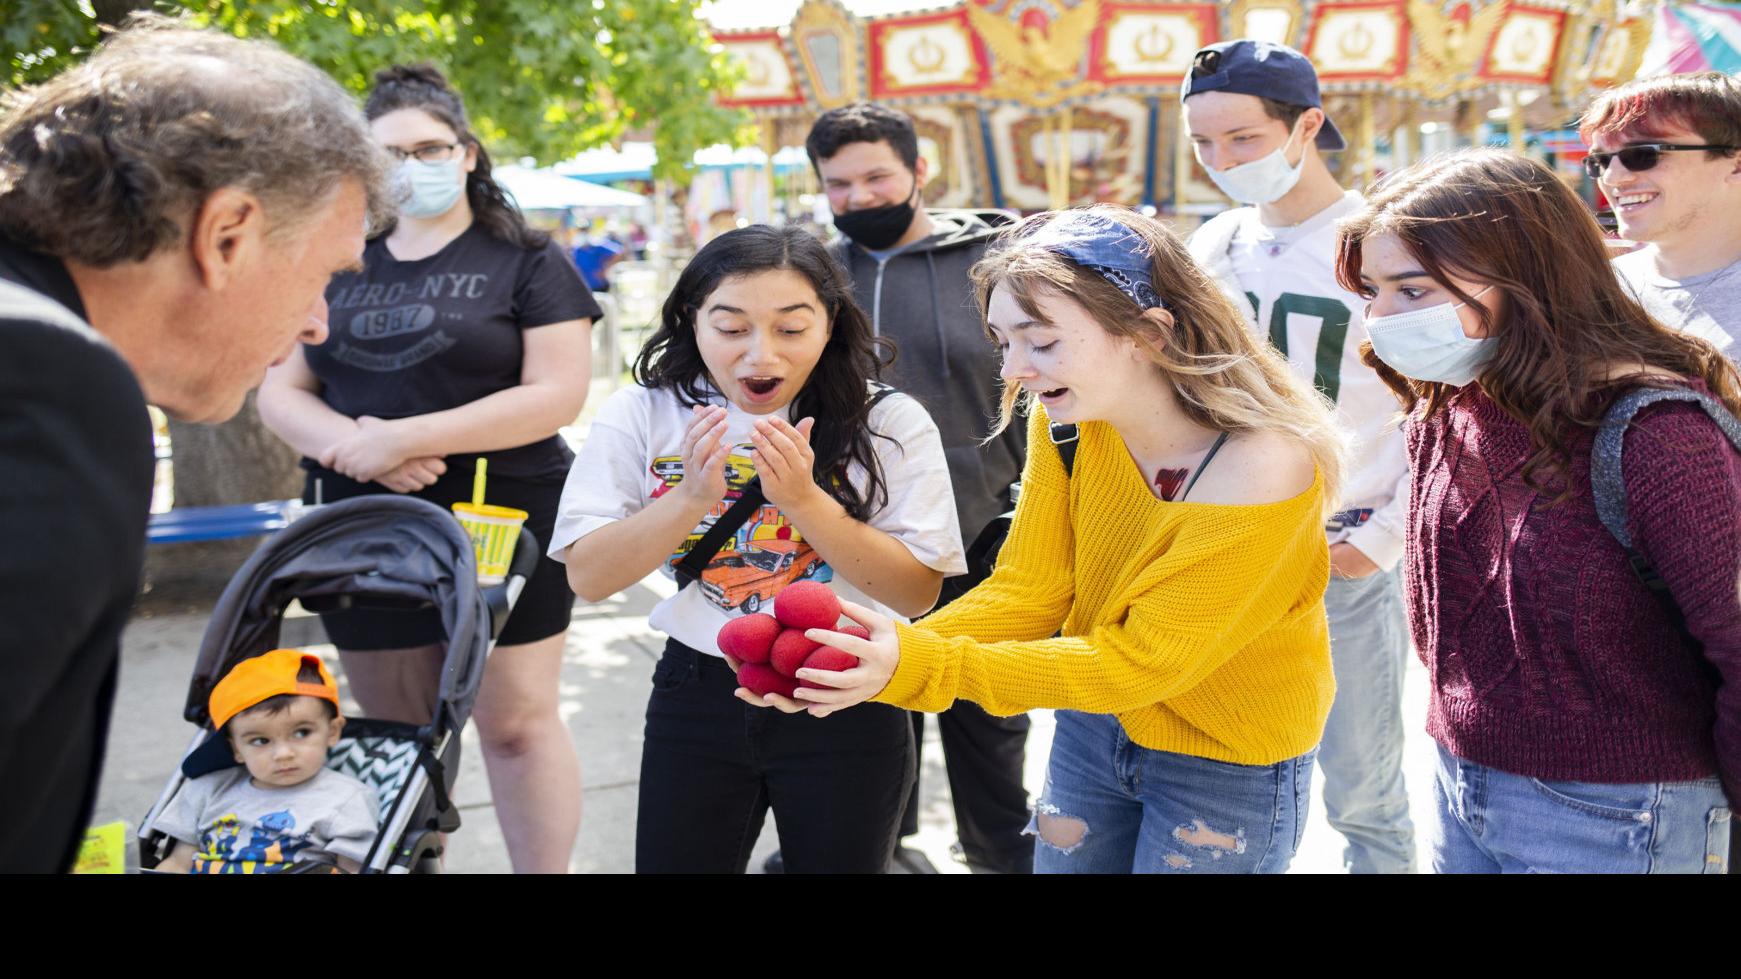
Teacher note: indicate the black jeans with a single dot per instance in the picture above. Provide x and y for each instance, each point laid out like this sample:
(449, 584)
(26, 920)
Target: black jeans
(984, 756)
(712, 766)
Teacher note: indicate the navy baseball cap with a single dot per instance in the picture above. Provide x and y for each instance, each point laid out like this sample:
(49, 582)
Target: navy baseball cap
(1270, 71)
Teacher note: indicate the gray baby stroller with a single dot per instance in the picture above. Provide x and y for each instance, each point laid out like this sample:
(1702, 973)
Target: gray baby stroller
(382, 552)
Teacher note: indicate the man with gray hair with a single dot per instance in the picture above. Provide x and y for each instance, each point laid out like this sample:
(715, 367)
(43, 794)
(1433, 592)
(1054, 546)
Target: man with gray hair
(170, 213)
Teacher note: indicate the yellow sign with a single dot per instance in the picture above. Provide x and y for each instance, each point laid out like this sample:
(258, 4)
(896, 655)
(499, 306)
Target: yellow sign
(104, 850)
(767, 75)
(1525, 45)
(938, 53)
(1141, 43)
(1265, 20)
(1356, 41)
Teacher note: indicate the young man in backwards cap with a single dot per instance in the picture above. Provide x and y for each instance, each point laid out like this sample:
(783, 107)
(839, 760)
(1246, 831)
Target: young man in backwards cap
(1258, 125)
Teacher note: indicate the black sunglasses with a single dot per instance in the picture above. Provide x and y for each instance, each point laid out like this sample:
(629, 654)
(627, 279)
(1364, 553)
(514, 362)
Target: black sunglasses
(1641, 157)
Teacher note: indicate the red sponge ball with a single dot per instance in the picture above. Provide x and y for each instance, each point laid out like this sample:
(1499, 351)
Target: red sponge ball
(807, 605)
(828, 658)
(790, 651)
(855, 630)
(749, 638)
(760, 679)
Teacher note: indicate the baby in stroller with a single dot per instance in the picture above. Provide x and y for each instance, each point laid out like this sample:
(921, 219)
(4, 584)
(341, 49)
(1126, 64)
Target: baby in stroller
(277, 714)
(366, 552)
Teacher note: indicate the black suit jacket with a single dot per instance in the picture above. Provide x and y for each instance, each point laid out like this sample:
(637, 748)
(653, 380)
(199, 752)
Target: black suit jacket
(75, 489)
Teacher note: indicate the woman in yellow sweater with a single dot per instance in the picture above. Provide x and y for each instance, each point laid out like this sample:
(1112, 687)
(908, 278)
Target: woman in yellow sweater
(1163, 590)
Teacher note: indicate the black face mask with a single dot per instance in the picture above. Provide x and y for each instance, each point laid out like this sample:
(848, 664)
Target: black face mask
(878, 228)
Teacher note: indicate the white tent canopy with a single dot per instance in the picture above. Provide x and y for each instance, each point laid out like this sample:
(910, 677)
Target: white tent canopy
(536, 190)
(635, 161)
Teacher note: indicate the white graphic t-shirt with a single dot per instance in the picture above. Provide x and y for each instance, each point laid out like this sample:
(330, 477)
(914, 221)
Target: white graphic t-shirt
(634, 454)
(1287, 280)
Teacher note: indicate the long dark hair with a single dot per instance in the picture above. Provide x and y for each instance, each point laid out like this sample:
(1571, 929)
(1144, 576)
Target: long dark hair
(837, 392)
(1566, 321)
(425, 88)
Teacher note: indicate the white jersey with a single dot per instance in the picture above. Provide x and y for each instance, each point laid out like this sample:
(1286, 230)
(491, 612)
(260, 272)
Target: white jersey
(634, 454)
(1286, 278)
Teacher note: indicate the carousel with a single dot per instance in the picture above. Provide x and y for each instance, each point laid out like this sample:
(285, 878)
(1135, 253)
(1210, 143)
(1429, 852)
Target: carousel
(1031, 104)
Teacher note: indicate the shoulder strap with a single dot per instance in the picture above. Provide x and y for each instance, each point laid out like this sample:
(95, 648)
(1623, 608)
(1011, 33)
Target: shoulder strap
(1605, 472)
(696, 561)
(1219, 442)
(1609, 485)
(879, 391)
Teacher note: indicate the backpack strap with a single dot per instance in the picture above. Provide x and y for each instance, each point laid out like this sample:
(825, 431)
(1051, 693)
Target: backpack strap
(1609, 485)
(982, 553)
(1064, 437)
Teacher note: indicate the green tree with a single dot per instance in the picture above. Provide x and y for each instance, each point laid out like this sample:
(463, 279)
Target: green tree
(541, 78)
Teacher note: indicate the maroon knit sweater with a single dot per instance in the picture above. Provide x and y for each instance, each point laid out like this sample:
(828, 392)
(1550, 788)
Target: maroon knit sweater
(1547, 656)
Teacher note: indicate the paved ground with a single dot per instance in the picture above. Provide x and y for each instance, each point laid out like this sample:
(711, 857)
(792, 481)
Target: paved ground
(607, 665)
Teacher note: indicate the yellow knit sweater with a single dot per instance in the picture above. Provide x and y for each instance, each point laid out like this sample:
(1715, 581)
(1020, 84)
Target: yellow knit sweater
(1200, 625)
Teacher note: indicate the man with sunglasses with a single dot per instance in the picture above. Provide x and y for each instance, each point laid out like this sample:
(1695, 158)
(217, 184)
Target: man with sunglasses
(1666, 152)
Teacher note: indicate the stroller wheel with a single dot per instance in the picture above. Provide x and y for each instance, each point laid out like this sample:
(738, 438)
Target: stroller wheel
(422, 853)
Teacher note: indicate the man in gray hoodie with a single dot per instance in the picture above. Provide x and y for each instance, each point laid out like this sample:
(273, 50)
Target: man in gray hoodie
(910, 272)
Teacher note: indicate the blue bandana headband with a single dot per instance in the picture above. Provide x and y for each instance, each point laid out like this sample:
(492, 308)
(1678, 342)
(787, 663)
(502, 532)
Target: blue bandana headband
(1105, 247)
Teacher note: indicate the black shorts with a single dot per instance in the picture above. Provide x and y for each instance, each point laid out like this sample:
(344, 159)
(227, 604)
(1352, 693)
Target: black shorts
(545, 606)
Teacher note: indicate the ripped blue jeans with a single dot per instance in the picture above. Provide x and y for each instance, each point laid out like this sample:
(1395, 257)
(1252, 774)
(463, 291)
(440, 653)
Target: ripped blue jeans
(1111, 806)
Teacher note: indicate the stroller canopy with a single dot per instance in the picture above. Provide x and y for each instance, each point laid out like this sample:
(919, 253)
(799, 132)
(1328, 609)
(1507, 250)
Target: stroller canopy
(392, 551)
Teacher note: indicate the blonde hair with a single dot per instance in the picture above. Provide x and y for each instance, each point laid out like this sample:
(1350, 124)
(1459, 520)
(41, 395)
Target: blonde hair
(1226, 379)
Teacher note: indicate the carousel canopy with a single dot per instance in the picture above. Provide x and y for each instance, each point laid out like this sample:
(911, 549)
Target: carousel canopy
(1694, 37)
(1034, 103)
(1047, 54)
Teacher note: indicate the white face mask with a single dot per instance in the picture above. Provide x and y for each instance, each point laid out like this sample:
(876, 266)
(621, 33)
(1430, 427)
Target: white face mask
(434, 188)
(1262, 181)
(1429, 344)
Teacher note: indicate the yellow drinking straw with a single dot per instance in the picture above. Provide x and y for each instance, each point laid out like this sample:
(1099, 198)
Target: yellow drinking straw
(478, 482)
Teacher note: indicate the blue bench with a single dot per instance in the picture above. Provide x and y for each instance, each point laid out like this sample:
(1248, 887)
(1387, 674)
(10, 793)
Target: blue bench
(199, 523)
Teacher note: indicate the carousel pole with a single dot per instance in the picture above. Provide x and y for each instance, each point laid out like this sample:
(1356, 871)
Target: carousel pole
(1514, 128)
(1066, 161)
(1368, 142)
(1181, 163)
(1052, 163)
(765, 134)
(1402, 139)
(1469, 122)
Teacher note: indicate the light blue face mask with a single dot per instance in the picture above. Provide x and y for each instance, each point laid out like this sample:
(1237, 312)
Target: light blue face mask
(1429, 344)
(1264, 180)
(434, 187)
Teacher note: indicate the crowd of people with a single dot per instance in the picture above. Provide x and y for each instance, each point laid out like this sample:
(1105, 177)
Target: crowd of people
(1248, 470)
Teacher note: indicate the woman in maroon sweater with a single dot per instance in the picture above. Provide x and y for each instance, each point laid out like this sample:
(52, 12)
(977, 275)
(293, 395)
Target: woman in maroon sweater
(1578, 730)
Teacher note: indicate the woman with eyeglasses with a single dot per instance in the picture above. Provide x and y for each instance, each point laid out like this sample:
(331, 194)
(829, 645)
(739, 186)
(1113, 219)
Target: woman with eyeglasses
(1586, 723)
(466, 333)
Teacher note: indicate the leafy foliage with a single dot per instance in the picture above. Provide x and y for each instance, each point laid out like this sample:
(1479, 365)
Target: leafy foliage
(541, 78)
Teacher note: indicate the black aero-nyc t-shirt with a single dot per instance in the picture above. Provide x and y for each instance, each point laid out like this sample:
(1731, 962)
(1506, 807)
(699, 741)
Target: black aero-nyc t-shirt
(413, 337)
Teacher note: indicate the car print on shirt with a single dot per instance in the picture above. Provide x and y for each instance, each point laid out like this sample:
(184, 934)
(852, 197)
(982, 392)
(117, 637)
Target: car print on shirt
(765, 555)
